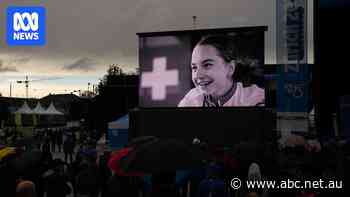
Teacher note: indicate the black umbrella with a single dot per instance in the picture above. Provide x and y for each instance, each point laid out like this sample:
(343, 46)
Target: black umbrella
(28, 162)
(247, 151)
(163, 155)
(142, 140)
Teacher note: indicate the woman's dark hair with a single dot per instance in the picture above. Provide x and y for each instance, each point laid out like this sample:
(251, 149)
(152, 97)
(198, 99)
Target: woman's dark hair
(231, 48)
(224, 45)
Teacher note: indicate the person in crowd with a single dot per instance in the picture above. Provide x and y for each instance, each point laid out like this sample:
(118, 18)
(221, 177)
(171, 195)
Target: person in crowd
(8, 176)
(46, 146)
(59, 140)
(87, 179)
(2, 136)
(68, 149)
(123, 186)
(56, 181)
(25, 188)
(74, 137)
(163, 184)
(53, 140)
(213, 185)
(213, 68)
(104, 172)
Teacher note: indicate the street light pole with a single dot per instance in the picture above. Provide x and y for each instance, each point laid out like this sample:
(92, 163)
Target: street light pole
(26, 82)
(88, 92)
(10, 89)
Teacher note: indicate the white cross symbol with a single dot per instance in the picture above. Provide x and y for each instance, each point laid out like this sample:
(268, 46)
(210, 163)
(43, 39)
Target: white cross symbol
(159, 78)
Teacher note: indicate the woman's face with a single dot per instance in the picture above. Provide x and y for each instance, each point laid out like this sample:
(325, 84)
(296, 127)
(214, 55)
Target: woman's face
(210, 72)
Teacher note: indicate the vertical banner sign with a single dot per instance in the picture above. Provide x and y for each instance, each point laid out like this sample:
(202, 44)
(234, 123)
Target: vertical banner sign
(292, 32)
(293, 88)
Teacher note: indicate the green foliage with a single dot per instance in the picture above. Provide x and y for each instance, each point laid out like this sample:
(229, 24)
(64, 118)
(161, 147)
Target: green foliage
(114, 72)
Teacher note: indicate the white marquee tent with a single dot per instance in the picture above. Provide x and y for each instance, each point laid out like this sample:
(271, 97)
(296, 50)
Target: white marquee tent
(24, 109)
(51, 110)
(38, 109)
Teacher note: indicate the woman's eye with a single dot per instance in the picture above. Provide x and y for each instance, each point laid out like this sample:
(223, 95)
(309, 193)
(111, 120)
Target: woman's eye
(207, 65)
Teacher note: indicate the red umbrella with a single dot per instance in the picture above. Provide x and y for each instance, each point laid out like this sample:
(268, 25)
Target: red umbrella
(114, 165)
(116, 160)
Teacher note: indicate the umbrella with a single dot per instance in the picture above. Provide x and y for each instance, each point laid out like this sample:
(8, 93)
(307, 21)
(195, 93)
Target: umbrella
(28, 162)
(116, 157)
(4, 152)
(162, 155)
(142, 140)
(247, 151)
(114, 162)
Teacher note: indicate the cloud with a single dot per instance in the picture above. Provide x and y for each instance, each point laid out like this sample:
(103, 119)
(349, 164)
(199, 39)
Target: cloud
(83, 64)
(17, 61)
(4, 68)
(107, 31)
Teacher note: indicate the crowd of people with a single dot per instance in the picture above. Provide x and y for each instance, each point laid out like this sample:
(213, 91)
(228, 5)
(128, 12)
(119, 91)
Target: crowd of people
(83, 171)
(51, 173)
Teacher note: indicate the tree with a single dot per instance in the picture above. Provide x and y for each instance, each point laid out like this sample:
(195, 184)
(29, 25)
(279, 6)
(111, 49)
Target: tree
(117, 93)
(114, 73)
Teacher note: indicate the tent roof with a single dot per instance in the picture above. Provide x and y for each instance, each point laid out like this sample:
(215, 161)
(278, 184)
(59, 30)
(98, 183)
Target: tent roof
(39, 109)
(121, 123)
(25, 109)
(51, 110)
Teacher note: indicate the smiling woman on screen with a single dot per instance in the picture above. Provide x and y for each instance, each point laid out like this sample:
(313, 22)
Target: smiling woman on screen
(213, 66)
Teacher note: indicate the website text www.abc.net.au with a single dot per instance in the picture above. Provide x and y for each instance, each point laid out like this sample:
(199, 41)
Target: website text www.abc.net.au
(237, 183)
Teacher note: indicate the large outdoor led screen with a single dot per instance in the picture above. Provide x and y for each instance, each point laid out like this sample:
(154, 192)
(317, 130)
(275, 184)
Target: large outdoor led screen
(202, 68)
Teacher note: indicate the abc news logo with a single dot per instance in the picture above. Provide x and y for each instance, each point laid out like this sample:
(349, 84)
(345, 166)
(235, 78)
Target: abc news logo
(29, 29)
(25, 26)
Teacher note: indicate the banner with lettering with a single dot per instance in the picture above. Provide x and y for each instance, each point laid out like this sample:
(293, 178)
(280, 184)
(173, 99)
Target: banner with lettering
(292, 32)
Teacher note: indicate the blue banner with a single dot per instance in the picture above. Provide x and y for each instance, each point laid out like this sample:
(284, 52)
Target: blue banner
(293, 88)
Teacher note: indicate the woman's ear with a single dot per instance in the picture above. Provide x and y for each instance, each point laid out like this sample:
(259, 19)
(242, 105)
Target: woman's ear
(232, 67)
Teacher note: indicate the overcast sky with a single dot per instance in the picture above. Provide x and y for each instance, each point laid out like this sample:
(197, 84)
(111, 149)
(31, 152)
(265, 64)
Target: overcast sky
(85, 36)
